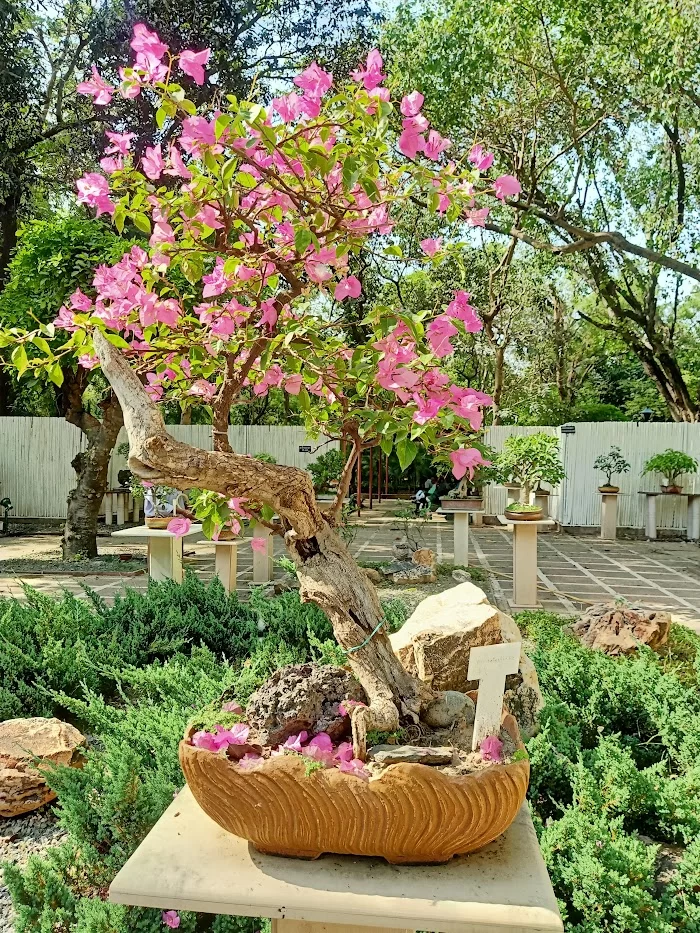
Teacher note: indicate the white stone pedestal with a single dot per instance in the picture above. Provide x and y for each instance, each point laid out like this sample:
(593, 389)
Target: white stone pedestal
(164, 550)
(262, 560)
(693, 531)
(460, 531)
(187, 862)
(608, 515)
(542, 500)
(525, 560)
(226, 562)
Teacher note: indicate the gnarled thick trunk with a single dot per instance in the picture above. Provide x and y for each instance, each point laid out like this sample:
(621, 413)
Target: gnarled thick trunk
(328, 575)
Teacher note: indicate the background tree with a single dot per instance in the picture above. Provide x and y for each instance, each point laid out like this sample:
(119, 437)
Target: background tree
(603, 144)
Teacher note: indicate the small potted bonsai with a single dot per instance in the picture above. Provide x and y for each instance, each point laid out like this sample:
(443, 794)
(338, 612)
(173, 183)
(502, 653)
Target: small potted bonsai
(529, 460)
(326, 473)
(468, 494)
(611, 464)
(671, 464)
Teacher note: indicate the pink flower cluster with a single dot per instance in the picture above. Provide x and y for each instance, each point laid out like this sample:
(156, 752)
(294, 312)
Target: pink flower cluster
(491, 749)
(415, 125)
(221, 738)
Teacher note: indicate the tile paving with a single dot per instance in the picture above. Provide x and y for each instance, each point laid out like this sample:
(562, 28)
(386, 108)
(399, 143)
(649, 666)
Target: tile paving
(573, 570)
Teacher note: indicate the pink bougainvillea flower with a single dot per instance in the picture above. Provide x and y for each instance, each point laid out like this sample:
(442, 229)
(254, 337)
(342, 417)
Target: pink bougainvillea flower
(177, 166)
(202, 388)
(435, 145)
(145, 41)
(480, 158)
(507, 186)
(293, 384)
(294, 742)
(250, 760)
(344, 752)
(171, 918)
(110, 165)
(179, 527)
(346, 706)
(349, 287)
(466, 459)
(121, 143)
(206, 740)
(460, 308)
(88, 361)
(97, 88)
(208, 216)
(288, 106)
(354, 766)
(192, 63)
(259, 545)
(431, 246)
(320, 748)
(236, 503)
(314, 80)
(237, 735)
(65, 320)
(477, 216)
(439, 332)
(216, 282)
(152, 162)
(79, 301)
(371, 75)
(268, 318)
(411, 143)
(411, 104)
(232, 707)
(93, 190)
(491, 748)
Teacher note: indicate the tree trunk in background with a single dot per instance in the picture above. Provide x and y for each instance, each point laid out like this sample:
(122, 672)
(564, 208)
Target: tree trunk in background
(91, 466)
(498, 379)
(8, 230)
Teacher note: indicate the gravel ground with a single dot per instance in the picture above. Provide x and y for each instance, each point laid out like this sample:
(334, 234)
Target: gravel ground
(20, 837)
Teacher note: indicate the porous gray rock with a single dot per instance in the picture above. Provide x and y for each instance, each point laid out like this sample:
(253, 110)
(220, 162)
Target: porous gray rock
(302, 697)
(447, 707)
(412, 754)
(24, 742)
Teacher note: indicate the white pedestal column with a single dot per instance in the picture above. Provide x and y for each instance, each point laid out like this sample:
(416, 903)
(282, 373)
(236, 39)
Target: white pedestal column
(477, 519)
(226, 564)
(543, 502)
(165, 558)
(650, 527)
(461, 539)
(693, 532)
(121, 507)
(524, 565)
(608, 516)
(262, 560)
(108, 508)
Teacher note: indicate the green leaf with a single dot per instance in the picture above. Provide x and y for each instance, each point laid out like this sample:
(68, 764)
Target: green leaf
(141, 222)
(117, 341)
(246, 180)
(56, 374)
(222, 122)
(406, 451)
(161, 116)
(192, 269)
(302, 240)
(19, 359)
(41, 344)
(387, 445)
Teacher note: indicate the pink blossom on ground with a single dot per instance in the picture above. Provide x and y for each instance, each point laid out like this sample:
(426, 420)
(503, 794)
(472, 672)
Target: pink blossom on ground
(466, 459)
(411, 104)
(237, 735)
(97, 88)
(88, 361)
(344, 752)
(259, 545)
(480, 158)
(431, 246)
(347, 706)
(354, 766)
(179, 527)
(144, 40)
(349, 287)
(491, 748)
(294, 742)
(171, 918)
(320, 748)
(507, 186)
(192, 63)
(250, 760)
(371, 75)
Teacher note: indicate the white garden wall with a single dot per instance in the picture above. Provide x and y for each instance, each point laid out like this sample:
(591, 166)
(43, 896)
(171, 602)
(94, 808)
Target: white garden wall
(36, 453)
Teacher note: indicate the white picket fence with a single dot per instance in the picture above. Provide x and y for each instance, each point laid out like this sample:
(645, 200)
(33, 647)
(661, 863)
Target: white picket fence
(36, 454)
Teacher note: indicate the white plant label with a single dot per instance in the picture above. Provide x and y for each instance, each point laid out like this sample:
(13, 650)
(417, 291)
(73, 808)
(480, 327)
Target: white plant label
(490, 665)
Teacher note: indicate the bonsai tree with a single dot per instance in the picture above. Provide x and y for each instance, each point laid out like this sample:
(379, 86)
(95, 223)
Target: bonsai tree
(327, 470)
(671, 464)
(254, 215)
(611, 464)
(530, 459)
(476, 477)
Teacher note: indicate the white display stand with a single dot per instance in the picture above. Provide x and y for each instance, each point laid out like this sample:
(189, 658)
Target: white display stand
(525, 560)
(262, 560)
(120, 501)
(693, 529)
(608, 515)
(226, 562)
(164, 550)
(187, 862)
(460, 531)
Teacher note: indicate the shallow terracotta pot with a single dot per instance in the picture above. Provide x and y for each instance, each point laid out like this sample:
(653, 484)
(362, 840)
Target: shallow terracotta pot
(606, 488)
(534, 516)
(411, 813)
(159, 521)
(468, 504)
(672, 490)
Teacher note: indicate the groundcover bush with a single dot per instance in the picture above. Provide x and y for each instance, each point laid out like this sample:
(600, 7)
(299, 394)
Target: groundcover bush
(615, 758)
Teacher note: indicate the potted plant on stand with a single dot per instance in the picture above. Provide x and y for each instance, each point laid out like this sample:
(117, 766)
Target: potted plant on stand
(253, 224)
(468, 494)
(530, 459)
(611, 464)
(671, 464)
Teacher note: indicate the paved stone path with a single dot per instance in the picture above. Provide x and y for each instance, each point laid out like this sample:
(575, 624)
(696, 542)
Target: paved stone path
(573, 570)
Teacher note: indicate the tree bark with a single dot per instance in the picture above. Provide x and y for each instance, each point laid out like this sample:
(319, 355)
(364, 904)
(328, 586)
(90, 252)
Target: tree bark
(328, 575)
(91, 466)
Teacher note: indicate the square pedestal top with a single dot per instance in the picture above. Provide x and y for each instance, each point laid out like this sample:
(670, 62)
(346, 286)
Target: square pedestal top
(143, 531)
(443, 511)
(228, 542)
(187, 862)
(542, 522)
